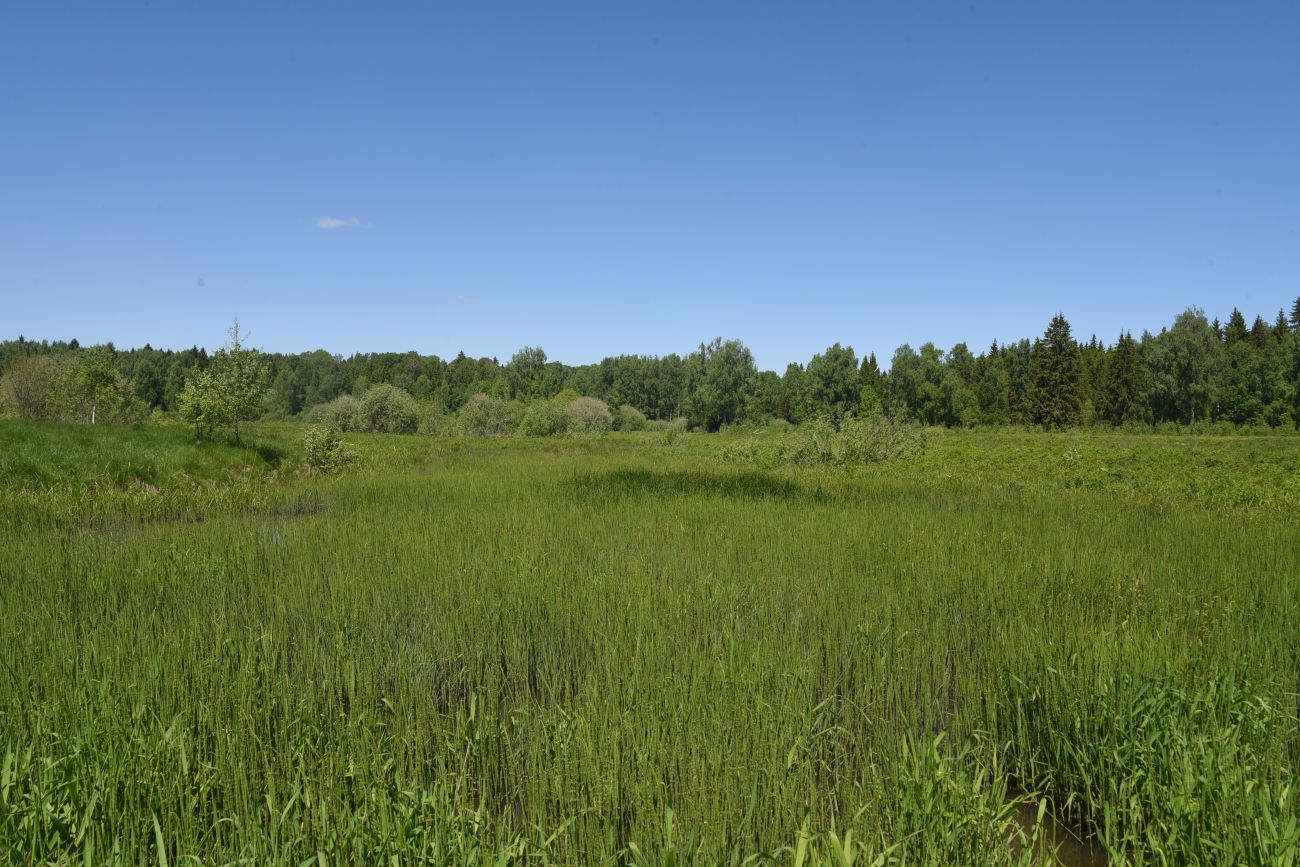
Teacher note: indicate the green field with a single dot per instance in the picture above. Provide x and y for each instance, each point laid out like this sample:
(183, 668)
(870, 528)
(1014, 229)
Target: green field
(631, 650)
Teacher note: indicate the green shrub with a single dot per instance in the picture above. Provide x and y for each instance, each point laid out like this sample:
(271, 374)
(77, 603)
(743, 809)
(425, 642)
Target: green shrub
(323, 450)
(485, 416)
(629, 418)
(545, 418)
(387, 409)
(433, 420)
(590, 415)
(856, 441)
(668, 429)
(567, 395)
(339, 413)
(28, 384)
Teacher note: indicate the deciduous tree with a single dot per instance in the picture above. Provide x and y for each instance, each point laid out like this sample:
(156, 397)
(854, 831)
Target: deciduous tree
(97, 376)
(228, 391)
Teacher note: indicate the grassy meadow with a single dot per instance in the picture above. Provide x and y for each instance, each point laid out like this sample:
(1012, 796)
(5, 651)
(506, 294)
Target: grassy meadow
(630, 650)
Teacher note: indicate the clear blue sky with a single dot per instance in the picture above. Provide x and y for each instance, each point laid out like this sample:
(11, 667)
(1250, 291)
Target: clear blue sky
(621, 176)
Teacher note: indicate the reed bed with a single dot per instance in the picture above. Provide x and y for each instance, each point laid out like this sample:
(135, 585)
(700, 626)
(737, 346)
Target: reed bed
(629, 652)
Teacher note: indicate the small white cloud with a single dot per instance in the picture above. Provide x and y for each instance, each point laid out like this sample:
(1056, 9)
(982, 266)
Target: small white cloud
(338, 223)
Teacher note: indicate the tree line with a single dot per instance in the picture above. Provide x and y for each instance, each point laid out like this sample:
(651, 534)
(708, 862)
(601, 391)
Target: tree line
(1194, 370)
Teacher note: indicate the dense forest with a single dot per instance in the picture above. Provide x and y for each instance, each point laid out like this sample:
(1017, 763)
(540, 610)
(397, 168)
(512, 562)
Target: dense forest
(1193, 371)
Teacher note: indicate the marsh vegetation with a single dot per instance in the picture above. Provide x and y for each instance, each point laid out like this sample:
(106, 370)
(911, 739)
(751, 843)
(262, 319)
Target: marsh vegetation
(628, 650)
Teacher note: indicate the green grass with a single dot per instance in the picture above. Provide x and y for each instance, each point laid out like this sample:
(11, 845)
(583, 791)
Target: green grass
(47, 454)
(621, 651)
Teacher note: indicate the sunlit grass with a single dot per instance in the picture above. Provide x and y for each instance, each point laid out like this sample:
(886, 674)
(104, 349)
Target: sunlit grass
(621, 650)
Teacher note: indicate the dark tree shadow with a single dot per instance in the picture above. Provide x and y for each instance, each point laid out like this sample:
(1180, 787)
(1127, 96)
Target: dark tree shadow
(649, 483)
(272, 455)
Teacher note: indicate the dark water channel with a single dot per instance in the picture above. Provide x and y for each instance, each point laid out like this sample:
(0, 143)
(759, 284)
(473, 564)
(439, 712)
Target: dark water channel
(1054, 837)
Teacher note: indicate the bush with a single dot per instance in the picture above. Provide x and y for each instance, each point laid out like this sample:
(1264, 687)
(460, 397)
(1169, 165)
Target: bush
(30, 387)
(387, 409)
(668, 430)
(590, 415)
(433, 420)
(323, 450)
(484, 416)
(629, 418)
(545, 418)
(339, 413)
(819, 443)
(567, 395)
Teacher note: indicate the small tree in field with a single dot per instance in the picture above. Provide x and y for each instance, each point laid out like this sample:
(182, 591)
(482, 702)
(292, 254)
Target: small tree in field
(228, 390)
(97, 377)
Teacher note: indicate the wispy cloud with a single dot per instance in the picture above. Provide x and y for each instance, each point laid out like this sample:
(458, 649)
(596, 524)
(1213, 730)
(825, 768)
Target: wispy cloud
(339, 223)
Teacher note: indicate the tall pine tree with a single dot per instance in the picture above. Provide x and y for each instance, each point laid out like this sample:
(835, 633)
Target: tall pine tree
(1055, 367)
(1122, 391)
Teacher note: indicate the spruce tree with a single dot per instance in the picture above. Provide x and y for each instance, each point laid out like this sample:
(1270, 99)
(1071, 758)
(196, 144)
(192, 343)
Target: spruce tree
(1295, 315)
(1295, 378)
(1236, 328)
(872, 386)
(1260, 333)
(1055, 368)
(1122, 392)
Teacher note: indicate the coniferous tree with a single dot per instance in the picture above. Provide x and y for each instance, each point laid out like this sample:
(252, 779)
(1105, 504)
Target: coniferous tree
(870, 397)
(1295, 377)
(1055, 399)
(1092, 373)
(1260, 333)
(1280, 327)
(790, 404)
(1018, 361)
(991, 389)
(1235, 329)
(1122, 392)
(1295, 315)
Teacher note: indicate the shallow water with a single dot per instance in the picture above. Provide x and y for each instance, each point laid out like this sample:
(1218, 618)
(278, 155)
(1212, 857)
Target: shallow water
(1058, 844)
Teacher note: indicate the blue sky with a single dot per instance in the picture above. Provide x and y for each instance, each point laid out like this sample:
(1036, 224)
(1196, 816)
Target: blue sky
(637, 177)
